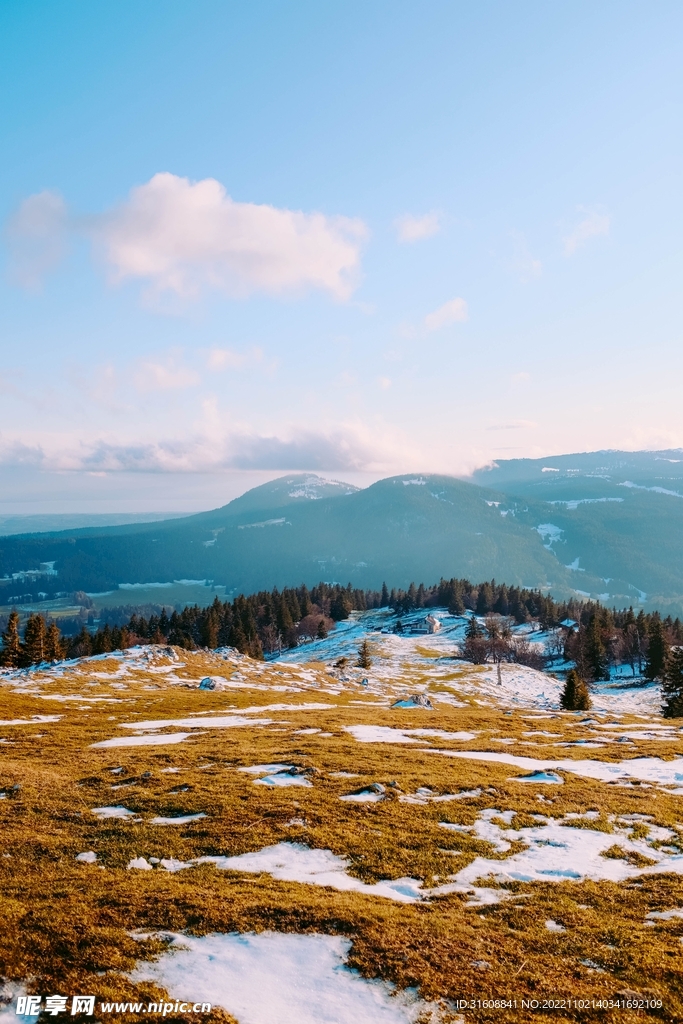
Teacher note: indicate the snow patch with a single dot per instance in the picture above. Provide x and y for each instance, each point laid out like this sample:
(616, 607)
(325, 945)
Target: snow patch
(272, 978)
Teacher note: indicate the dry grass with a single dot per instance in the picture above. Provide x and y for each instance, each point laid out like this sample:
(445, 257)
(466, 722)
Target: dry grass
(67, 925)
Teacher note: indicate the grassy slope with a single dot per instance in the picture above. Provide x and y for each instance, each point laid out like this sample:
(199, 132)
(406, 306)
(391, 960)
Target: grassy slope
(67, 924)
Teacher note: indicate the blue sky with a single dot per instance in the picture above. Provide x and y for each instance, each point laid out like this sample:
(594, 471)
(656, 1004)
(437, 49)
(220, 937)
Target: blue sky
(359, 239)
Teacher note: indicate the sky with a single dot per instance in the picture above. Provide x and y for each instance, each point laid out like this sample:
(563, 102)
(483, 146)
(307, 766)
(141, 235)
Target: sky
(357, 239)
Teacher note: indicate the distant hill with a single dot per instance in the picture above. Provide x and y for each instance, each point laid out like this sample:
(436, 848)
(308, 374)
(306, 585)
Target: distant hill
(615, 516)
(605, 523)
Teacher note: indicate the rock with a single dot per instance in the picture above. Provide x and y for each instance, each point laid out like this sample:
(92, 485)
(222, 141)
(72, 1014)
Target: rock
(481, 965)
(207, 683)
(416, 700)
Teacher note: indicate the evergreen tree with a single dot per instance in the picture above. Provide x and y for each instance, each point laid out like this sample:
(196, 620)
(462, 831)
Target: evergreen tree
(322, 630)
(81, 645)
(10, 655)
(485, 599)
(656, 650)
(672, 685)
(364, 659)
(384, 599)
(340, 606)
(54, 648)
(284, 616)
(35, 637)
(595, 653)
(475, 647)
(575, 696)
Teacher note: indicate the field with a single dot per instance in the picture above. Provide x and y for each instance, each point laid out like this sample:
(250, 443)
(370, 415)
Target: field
(292, 848)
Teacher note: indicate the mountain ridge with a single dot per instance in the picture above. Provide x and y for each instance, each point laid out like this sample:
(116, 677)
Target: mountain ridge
(570, 529)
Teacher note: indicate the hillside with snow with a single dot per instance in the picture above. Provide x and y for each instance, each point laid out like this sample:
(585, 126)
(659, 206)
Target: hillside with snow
(303, 839)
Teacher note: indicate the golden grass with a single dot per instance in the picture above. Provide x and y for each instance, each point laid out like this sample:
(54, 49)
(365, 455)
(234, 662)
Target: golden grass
(67, 925)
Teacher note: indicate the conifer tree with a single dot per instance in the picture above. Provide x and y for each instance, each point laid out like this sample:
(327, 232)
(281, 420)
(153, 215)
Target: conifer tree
(384, 599)
(672, 685)
(364, 659)
(475, 647)
(656, 651)
(284, 616)
(10, 655)
(322, 630)
(575, 696)
(54, 648)
(595, 653)
(35, 637)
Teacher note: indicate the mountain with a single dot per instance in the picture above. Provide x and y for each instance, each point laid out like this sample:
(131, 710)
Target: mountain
(602, 523)
(615, 516)
(302, 528)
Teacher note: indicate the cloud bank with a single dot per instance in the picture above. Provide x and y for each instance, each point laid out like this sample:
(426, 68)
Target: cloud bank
(349, 447)
(187, 238)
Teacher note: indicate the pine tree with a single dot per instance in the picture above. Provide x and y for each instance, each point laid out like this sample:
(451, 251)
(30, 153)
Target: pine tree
(485, 599)
(575, 696)
(10, 654)
(284, 616)
(475, 647)
(81, 645)
(364, 659)
(322, 630)
(672, 685)
(384, 599)
(35, 637)
(54, 648)
(595, 653)
(340, 607)
(656, 650)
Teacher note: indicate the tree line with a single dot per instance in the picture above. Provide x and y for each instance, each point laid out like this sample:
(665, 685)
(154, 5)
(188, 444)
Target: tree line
(594, 639)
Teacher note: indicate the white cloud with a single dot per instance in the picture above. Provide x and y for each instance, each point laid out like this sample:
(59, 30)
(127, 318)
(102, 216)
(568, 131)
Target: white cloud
(384, 383)
(169, 375)
(216, 445)
(414, 229)
(187, 237)
(36, 236)
(454, 311)
(594, 224)
(520, 378)
(228, 359)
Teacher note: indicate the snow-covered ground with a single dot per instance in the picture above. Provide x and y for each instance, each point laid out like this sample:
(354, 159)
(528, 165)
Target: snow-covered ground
(272, 978)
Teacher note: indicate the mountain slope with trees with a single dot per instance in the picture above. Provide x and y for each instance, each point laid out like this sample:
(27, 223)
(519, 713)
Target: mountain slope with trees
(608, 525)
